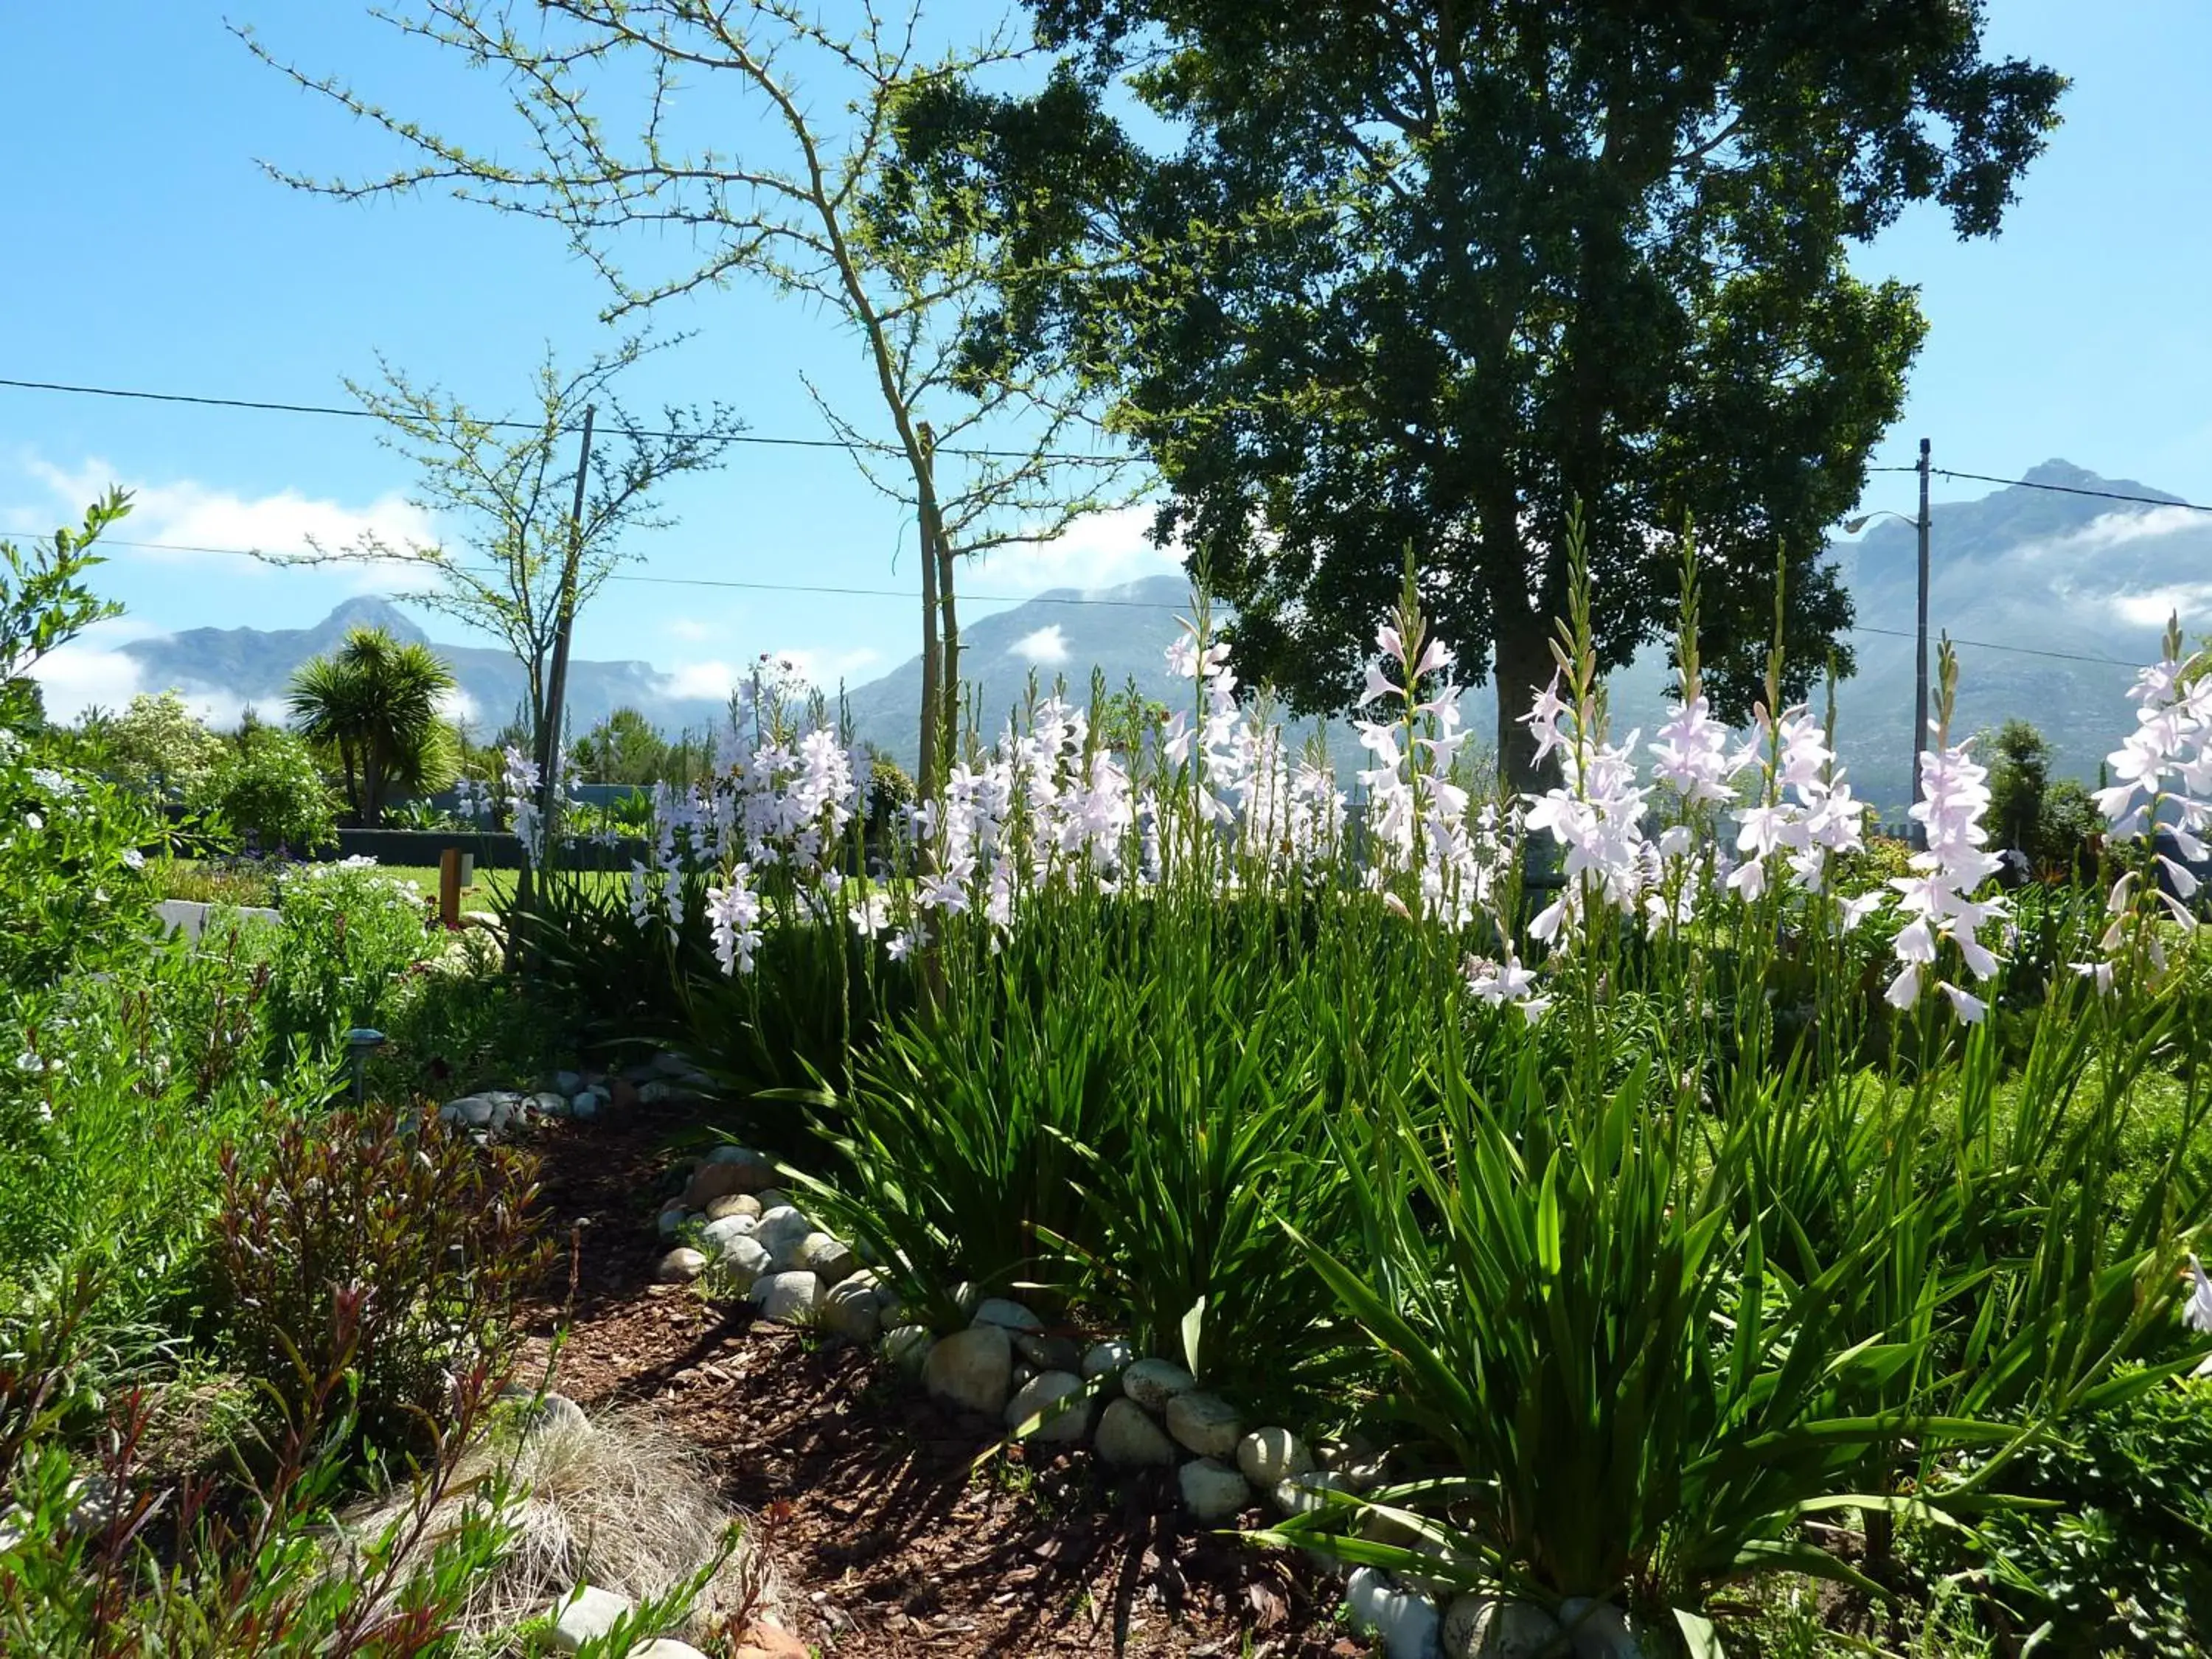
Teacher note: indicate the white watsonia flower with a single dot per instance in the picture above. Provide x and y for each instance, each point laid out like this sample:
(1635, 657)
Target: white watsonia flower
(2198, 1312)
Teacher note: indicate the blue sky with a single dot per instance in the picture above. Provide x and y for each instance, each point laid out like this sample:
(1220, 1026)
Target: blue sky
(147, 248)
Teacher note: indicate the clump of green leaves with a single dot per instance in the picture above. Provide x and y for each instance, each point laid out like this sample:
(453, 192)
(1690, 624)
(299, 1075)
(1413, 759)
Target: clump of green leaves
(350, 932)
(267, 789)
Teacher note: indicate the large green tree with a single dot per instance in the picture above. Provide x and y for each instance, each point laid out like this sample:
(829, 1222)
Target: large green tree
(375, 706)
(1428, 274)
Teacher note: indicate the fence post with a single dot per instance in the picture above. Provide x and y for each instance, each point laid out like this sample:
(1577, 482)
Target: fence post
(449, 889)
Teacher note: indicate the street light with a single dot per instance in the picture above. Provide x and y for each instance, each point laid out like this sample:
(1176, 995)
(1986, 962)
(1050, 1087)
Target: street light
(1851, 527)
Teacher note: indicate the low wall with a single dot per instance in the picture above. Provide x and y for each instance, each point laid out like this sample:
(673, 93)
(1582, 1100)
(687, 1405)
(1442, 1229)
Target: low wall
(492, 851)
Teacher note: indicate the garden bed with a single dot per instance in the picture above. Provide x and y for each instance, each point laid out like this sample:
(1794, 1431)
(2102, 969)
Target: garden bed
(894, 1527)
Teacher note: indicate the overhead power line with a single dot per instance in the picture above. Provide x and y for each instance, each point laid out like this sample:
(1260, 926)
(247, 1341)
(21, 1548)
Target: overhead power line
(276, 407)
(981, 598)
(295, 561)
(273, 407)
(1991, 644)
(2056, 489)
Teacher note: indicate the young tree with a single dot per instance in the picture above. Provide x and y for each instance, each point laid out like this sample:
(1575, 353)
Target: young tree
(2020, 780)
(375, 704)
(623, 748)
(508, 486)
(44, 603)
(1439, 276)
(606, 92)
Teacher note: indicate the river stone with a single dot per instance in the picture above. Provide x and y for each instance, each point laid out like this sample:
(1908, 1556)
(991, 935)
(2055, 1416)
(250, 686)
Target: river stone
(1152, 1382)
(908, 1348)
(557, 1414)
(828, 1259)
(774, 1198)
(681, 1265)
(667, 1647)
(1009, 1315)
(730, 1204)
(1211, 1491)
(473, 1110)
(1485, 1627)
(742, 1264)
(1301, 1494)
(1270, 1456)
(568, 1082)
(972, 1369)
(671, 1219)
(1598, 1630)
(711, 1180)
(591, 1612)
(779, 1231)
(789, 1298)
(1406, 1619)
(1129, 1439)
(716, 1237)
(668, 1064)
(1039, 1396)
(586, 1104)
(854, 1308)
(553, 1105)
(1204, 1423)
(1109, 1359)
(1047, 1353)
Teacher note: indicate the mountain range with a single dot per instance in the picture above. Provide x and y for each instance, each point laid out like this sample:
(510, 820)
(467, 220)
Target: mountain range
(2051, 595)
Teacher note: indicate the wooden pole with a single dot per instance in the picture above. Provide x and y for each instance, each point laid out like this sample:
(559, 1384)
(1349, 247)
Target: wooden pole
(449, 889)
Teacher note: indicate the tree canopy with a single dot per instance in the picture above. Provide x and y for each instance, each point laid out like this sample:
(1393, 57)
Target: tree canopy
(1442, 278)
(374, 705)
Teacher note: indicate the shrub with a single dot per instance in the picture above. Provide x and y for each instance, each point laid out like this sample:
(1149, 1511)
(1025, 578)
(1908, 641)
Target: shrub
(2122, 1561)
(110, 1123)
(460, 1023)
(405, 1255)
(350, 932)
(87, 1573)
(158, 746)
(268, 790)
(77, 896)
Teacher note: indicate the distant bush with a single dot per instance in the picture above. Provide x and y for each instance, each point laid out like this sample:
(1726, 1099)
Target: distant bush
(349, 931)
(268, 790)
(158, 746)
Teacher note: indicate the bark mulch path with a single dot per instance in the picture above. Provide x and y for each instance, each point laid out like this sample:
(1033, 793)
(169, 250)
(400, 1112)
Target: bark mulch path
(893, 1527)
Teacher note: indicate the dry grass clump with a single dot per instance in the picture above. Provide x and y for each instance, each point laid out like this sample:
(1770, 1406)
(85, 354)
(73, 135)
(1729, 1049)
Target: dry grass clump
(619, 1502)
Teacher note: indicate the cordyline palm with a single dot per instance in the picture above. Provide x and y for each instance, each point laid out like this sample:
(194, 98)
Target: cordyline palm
(375, 703)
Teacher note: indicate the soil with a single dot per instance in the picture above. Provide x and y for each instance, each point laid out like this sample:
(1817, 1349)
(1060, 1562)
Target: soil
(895, 1525)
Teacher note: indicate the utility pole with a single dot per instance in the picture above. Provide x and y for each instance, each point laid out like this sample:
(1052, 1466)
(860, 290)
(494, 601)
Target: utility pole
(1919, 656)
(556, 680)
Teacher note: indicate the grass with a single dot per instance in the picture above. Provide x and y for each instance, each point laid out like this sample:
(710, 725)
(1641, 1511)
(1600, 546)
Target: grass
(208, 882)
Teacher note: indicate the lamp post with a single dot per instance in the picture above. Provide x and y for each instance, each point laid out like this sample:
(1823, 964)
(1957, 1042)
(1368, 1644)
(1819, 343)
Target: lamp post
(360, 1042)
(1851, 527)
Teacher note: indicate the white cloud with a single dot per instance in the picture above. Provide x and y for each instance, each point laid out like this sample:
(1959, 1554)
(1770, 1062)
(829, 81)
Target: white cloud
(79, 677)
(701, 679)
(691, 629)
(2150, 607)
(1045, 647)
(828, 669)
(1104, 551)
(185, 514)
(2108, 531)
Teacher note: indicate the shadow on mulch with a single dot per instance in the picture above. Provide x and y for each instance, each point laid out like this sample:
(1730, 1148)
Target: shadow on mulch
(899, 1526)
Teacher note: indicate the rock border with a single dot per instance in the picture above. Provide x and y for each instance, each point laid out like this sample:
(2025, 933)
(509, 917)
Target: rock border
(734, 1222)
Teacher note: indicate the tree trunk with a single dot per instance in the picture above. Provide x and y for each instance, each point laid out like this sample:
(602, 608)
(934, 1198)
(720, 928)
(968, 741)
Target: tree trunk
(926, 524)
(949, 648)
(1521, 667)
